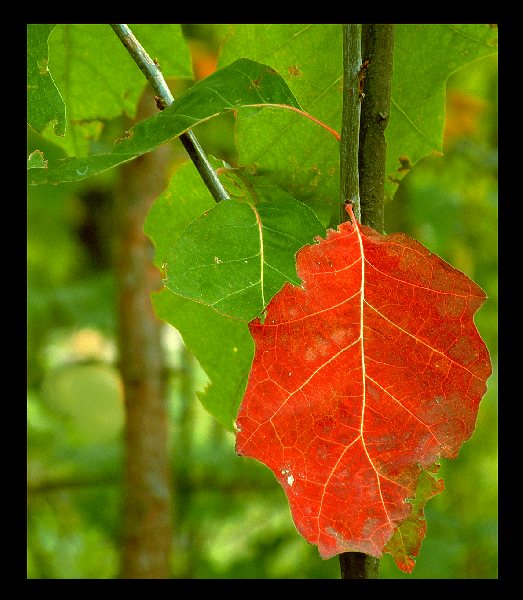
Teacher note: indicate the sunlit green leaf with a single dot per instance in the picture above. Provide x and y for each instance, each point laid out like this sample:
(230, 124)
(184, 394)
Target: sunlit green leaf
(243, 83)
(305, 161)
(294, 152)
(424, 58)
(36, 160)
(99, 80)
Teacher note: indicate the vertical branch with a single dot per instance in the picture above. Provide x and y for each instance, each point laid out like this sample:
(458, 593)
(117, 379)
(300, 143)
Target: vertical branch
(147, 490)
(366, 104)
(377, 50)
(353, 565)
(350, 121)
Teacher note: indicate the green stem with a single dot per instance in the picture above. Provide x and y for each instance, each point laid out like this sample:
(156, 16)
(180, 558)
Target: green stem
(350, 123)
(164, 98)
(377, 50)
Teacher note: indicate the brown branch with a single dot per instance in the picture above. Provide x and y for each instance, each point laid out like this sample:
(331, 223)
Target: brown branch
(147, 491)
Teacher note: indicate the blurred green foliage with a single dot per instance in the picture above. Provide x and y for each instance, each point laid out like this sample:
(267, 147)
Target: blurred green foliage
(231, 518)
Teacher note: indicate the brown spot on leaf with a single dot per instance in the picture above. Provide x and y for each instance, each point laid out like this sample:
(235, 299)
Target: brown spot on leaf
(126, 135)
(463, 351)
(255, 85)
(405, 164)
(294, 71)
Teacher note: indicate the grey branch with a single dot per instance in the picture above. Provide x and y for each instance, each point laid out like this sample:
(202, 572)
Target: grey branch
(164, 98)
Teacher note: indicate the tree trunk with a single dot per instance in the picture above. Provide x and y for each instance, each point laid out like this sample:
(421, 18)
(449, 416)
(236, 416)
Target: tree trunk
(147, 490)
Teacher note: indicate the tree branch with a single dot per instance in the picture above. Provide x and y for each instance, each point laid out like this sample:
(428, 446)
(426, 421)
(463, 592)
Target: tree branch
(366, 102)
(356, 565)
(164, 98)
(147, 485)
(377, 50)
(350, 121)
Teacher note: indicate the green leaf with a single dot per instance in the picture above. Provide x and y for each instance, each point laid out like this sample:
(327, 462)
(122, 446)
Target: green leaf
(223, 346)
(239, 254)
(44, 102)
(305, 161)
(98, 78)
(298, 156)
(183, 201)
(36, 160)
(243, 83)
(406, 540)
(424, 58)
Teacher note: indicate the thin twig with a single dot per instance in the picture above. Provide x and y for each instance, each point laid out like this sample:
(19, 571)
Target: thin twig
(164, 98)
(350, 123)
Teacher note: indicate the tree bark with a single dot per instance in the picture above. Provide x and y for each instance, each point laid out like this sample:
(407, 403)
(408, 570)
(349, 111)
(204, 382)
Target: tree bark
(147, 491)
(377, 53)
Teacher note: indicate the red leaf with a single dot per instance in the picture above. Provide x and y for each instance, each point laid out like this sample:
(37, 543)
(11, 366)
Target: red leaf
(362, 378)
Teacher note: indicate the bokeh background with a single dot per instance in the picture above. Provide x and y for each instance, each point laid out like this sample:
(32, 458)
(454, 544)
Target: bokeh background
(75, 407)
